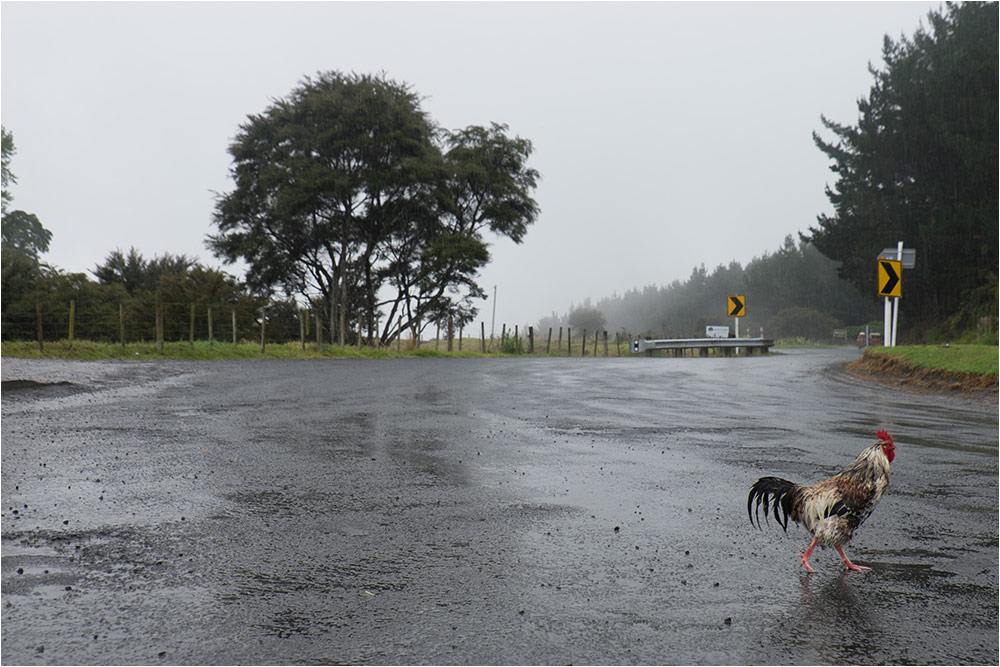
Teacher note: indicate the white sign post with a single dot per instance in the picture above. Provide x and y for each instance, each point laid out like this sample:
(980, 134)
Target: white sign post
(907, 258)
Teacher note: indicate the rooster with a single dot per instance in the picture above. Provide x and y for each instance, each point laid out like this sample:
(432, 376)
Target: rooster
(833, 509)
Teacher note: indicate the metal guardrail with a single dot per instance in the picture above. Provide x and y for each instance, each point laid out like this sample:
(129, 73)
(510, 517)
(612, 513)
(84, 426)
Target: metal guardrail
(727, 344)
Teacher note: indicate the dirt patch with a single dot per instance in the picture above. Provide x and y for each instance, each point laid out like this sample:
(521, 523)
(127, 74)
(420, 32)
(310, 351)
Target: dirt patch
(899, 373)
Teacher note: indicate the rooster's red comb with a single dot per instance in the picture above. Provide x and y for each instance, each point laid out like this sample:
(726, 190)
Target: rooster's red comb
(884, 436)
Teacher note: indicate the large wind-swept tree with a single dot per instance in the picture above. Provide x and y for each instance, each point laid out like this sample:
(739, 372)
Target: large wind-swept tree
(343, 191)
(920, 166)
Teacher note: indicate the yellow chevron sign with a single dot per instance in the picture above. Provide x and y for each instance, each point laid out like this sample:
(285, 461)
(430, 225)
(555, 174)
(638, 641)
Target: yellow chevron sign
(736, 305)
(890, 280)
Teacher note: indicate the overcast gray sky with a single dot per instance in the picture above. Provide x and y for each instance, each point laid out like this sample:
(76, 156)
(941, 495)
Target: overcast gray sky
(667, 134)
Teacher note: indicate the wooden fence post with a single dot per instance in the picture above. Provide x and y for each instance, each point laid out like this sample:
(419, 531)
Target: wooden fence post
(548, 341)
(211, 338)
(159, 327)
(596, 335)
(605, 343)
(191, 329)
(319, 331)
(38, 322)
(302, 329)
(583, 352)
(482, 336)
(461, 330)
(121, 322)
(263, 319)
(531, 340)
(559, 344)
(437, 334)
(451, 332)
(503, 337)
(569, 341)
(72, 316)
(234, 324)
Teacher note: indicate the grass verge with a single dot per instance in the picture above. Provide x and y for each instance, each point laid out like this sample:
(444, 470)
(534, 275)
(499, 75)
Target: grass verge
(201, 350)
(965, 369)
(981, 359)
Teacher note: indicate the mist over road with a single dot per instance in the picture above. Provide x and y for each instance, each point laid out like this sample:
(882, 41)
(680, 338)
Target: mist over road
(482, 511)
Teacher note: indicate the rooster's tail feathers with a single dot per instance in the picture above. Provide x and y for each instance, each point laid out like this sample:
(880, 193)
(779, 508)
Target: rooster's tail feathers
(772, 491)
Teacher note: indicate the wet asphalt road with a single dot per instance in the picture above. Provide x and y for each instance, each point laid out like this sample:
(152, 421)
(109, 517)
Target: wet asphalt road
(482, 511)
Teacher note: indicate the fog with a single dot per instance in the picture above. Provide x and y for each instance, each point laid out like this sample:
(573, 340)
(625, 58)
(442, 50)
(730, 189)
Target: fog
(668, 135)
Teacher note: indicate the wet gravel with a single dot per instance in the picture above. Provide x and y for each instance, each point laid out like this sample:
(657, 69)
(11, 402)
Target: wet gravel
(481, 511)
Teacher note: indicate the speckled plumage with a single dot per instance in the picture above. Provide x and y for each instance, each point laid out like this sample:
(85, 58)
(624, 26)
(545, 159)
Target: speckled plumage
(830, 510)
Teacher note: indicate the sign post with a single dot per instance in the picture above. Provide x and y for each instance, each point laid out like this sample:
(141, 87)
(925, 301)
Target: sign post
(891, 262)
(736, 307)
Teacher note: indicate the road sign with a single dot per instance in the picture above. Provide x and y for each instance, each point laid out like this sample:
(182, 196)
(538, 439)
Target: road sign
(737, 305)
(909, 258)
(889, 282)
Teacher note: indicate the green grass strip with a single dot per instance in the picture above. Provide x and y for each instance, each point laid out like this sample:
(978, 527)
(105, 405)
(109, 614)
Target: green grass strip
(961, 358)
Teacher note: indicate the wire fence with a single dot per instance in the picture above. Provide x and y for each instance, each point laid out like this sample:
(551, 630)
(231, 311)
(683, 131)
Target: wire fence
(244, 322)
(132, 322)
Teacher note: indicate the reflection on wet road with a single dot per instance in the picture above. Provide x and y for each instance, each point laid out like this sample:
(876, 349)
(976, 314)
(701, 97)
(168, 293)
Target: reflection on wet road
(482, 511)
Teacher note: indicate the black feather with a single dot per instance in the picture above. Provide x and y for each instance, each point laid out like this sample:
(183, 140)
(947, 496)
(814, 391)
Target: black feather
(772, 491)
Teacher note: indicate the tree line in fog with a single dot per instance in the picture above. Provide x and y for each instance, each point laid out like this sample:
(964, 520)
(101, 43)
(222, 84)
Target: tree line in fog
(792, 292)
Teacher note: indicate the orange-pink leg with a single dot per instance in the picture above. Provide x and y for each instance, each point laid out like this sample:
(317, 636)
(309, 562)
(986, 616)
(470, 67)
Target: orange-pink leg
(805, 557)
(847, 561)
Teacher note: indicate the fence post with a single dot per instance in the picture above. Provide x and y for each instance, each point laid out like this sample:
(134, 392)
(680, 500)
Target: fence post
(503, 338)
(517, 340)
(583, 352)
(548, 341)
(531, 339)
(233, 310)
(399, 335)
(121, 322)
(159, 327)
(451, 333)
(569, 341)
(191, 328)
(211, 338)
(482, 336)
(38, 322)
(605, 343)
(559, 344)
(302, 329)
(263, 318)
(461, 329)
(437, 334)
(596, 336)
(72, 315)
(319, 332)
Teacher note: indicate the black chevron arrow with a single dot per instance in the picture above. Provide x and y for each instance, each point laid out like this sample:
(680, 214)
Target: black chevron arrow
(737, 306)
(892, 277)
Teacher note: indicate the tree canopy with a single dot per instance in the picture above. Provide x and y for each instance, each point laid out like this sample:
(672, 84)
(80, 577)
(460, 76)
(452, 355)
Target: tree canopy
(21, 232)
(347, 194)
(921, 166)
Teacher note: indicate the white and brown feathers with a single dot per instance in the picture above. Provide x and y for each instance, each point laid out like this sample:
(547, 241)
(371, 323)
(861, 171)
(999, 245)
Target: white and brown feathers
(830, 510)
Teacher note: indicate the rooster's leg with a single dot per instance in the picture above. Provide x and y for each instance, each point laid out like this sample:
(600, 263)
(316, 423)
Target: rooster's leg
(847, 561)
(805, 556)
